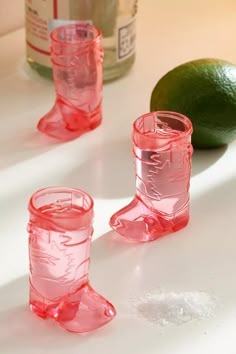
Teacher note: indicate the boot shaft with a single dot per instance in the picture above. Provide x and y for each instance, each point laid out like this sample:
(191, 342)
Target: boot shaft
(77, 59)
(162, 153)
(60, 231)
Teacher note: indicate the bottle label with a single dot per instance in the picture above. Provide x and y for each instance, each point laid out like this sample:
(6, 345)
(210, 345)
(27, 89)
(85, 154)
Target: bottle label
(37, 16)
(54, 23)
(42, 17)
(126, 39)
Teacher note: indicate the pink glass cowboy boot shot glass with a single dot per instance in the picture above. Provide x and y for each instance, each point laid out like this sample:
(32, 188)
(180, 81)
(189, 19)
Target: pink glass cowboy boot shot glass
(60, 231)
(162, 152)
(77, 59)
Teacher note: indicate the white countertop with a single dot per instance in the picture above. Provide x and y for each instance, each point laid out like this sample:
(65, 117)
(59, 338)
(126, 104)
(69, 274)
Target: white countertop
(200, 258)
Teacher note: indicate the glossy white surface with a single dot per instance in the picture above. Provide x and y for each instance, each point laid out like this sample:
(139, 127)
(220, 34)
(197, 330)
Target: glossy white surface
(198, 258)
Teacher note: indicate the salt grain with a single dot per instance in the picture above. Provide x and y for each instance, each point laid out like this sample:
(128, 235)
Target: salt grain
(174, 308)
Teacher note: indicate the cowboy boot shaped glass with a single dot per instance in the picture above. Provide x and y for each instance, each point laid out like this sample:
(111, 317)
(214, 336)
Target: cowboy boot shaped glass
(162, 152)
(60, 231)
(77, 57)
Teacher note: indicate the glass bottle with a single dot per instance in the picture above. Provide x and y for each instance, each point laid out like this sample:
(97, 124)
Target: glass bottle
(115, 19)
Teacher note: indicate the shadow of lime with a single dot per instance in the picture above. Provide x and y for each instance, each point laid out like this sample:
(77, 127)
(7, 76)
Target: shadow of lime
(203, 159)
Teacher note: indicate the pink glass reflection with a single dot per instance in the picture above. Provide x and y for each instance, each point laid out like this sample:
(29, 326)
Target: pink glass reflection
(162, 152)
(77, 57)
(60, 231)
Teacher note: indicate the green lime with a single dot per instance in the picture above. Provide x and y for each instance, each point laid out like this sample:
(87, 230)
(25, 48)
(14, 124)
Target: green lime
(205, 91)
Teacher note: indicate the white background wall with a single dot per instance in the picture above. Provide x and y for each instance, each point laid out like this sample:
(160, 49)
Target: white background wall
(11, 15)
